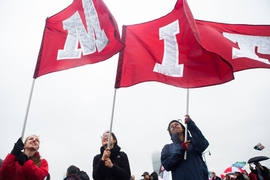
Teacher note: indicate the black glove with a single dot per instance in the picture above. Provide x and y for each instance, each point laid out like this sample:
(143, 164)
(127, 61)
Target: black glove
(18, 147)
(21, 158)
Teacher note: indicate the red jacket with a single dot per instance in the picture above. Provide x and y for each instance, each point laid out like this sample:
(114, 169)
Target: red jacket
(12, 170)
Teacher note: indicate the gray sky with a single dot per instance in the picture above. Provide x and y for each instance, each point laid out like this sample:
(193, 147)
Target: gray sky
(71, 109)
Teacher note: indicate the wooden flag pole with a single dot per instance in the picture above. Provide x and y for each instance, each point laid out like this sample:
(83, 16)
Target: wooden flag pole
(185, 155)
(27, 109)
(110, 132)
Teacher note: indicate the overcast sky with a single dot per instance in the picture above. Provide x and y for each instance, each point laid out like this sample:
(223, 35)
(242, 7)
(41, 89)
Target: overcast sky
(71, 109)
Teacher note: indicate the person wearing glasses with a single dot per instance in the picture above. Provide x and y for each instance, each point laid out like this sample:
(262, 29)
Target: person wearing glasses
(111, 163)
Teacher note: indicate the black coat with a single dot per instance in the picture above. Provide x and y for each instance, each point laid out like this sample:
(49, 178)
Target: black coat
(120, 169)
(240, 177)
(72, 177)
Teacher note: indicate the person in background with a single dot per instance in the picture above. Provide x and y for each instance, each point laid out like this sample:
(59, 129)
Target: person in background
(111, 163)
(252, 176)
(215, 177)
(245, 174)
(227, 177)
(82, 174)
(132, 177)
(261, 172)
(71, 173)
(154, 176)
(239, 176)
(172, 155)
(146, 175)
(28, 164)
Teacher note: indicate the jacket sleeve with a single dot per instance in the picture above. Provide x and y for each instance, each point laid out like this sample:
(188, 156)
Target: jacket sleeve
(99, 168)
(33, 172)
(8, 167)
(171, 155)
(123, 172)
(199, 142)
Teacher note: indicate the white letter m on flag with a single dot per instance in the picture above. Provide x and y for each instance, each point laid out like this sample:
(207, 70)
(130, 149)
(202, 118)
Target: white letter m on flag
(90, 40)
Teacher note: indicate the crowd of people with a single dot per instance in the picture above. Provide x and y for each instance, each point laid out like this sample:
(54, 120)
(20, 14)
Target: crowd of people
(25, 162)
(258, 172)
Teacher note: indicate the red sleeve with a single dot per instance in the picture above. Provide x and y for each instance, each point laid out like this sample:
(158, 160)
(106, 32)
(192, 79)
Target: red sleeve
(9, 167)
(1, 173)
(33, 172)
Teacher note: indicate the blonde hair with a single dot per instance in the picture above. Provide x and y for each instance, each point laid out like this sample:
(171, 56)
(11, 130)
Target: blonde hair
(36, 158)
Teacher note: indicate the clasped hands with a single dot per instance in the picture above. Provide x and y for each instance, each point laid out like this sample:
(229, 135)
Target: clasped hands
(106, 158)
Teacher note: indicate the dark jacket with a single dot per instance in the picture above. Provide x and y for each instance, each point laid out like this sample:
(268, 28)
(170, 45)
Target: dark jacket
(240, 177)
(193, 168)
(72, 177)
(120, 169)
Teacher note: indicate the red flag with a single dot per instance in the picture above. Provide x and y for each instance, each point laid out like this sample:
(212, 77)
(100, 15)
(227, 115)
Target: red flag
(83, 33)
(165, 50)
(243, 46)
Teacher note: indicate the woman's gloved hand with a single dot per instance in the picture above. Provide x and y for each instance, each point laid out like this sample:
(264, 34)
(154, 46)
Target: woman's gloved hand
(18, 147)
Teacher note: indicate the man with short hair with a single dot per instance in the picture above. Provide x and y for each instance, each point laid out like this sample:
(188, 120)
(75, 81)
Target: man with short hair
(215, 177)
(146, 176)
(72, 173)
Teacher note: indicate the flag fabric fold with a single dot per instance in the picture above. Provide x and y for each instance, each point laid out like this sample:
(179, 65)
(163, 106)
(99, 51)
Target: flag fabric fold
(243, 46)
(166, 50)
(83, 33)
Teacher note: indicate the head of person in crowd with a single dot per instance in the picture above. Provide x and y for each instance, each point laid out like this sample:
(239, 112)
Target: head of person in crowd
(154, 176)
(105, 139)
(227, 177)
(72, 170)
(71, 173)
(146, 176)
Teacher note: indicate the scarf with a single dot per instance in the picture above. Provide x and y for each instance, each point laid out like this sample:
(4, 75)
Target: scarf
(114, 151)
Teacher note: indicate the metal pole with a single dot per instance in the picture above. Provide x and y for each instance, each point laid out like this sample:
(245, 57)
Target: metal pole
(185, 155)
(109, 138)
(27, 109)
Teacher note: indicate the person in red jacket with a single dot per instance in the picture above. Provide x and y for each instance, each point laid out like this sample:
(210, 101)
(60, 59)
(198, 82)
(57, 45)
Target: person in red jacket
(28, 164)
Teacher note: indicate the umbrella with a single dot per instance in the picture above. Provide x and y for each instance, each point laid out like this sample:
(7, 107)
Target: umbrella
(257, 159)
(233, 169)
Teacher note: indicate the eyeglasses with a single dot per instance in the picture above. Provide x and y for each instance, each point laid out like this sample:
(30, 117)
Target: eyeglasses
(104, 136)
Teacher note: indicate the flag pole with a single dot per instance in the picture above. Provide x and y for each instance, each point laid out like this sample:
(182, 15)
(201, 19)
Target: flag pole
(27, 109)
(185, 155)
(110, 132)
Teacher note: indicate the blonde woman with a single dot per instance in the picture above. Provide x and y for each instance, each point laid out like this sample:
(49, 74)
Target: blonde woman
(24, 161)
